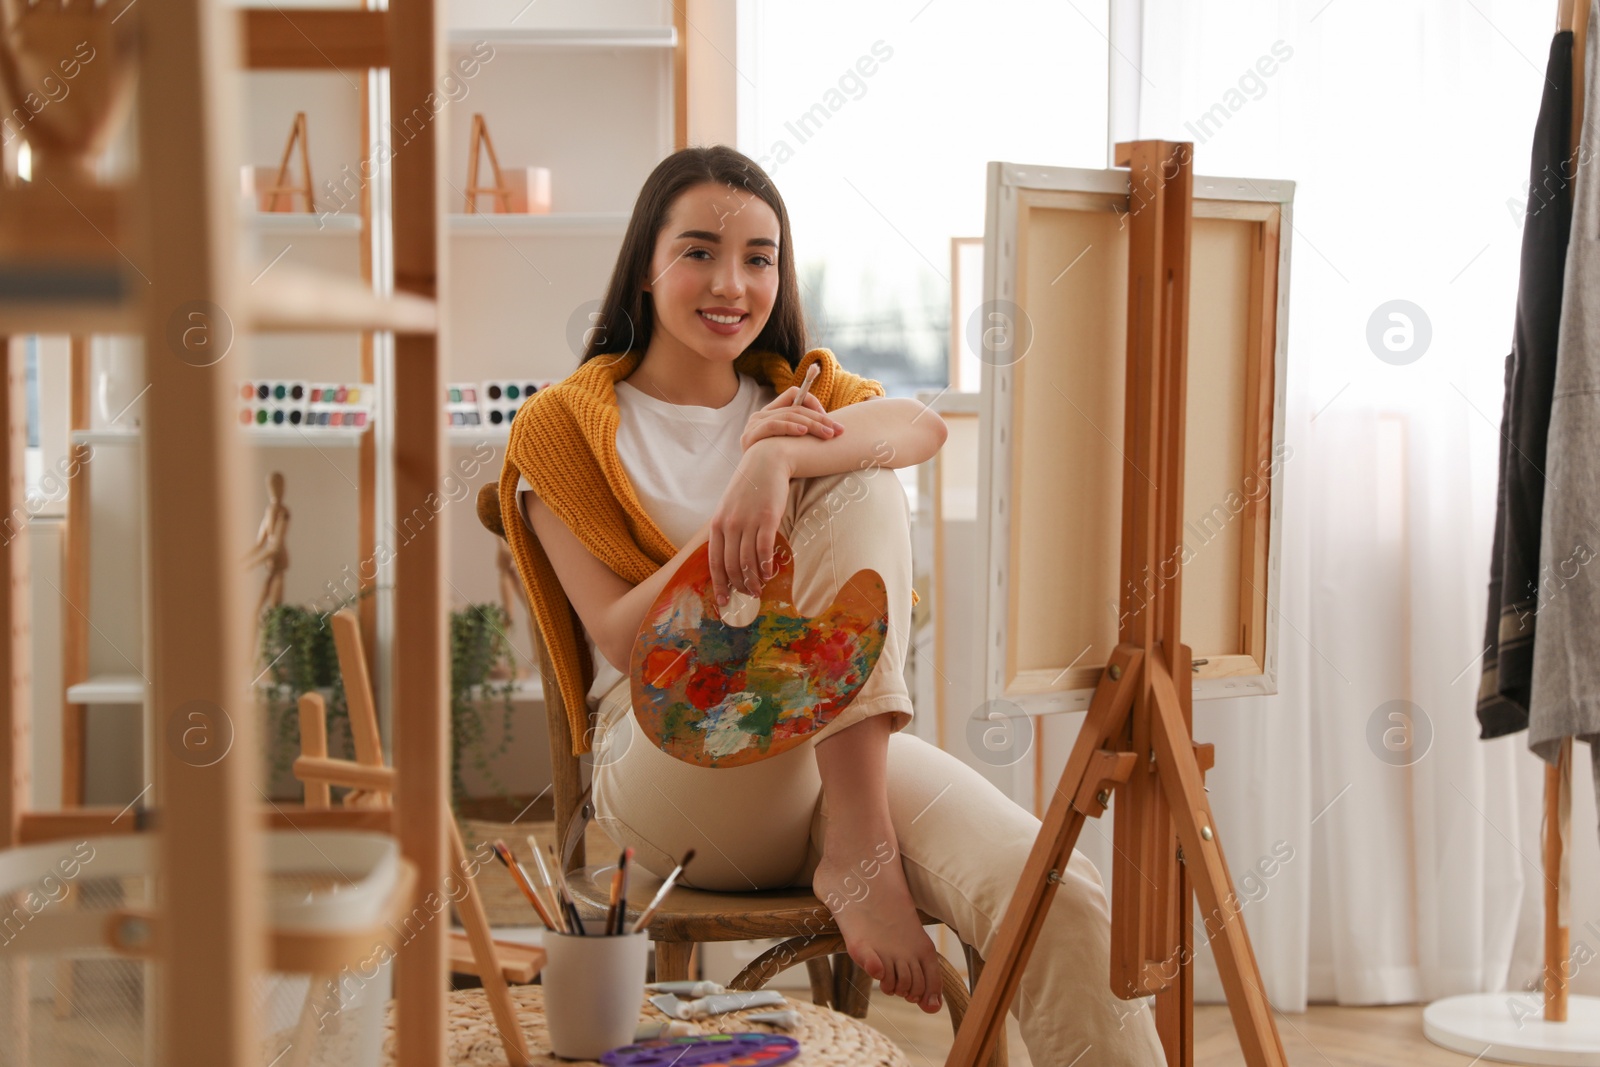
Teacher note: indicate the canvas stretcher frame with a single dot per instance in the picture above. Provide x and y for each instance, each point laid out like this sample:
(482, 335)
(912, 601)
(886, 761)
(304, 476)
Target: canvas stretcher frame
(1050, 472)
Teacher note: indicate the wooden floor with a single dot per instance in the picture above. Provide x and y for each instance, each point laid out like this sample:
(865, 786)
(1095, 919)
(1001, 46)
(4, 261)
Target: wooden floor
(1324, 1036)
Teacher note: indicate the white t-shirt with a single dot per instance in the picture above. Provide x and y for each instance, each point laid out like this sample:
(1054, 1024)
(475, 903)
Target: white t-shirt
(679, 459)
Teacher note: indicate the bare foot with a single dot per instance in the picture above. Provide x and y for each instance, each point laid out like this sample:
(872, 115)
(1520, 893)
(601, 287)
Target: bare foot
(865, 889)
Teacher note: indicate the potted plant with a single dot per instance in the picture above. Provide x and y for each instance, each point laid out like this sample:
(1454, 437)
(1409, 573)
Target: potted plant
(482, 678)
(297, 655)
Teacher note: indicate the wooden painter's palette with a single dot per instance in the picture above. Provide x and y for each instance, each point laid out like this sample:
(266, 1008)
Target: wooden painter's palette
(717, 695)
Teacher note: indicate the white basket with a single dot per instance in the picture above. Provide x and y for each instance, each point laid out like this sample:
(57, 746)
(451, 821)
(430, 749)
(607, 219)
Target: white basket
(75, 989)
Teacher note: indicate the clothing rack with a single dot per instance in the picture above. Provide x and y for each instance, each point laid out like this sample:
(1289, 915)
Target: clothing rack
(1571, 15)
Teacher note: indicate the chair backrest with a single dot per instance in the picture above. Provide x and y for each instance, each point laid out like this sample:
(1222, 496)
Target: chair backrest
(566, 776)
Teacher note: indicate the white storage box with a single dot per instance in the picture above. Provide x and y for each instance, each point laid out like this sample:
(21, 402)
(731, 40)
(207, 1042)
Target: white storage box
(77, 929)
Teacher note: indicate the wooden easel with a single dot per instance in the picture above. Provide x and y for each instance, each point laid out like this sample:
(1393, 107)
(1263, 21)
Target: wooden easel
(280, 184)
(500, 190)
(1136, 741)
(373, 783)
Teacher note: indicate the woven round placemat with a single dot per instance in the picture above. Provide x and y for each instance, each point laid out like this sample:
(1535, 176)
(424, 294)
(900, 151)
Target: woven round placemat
(827, 1038)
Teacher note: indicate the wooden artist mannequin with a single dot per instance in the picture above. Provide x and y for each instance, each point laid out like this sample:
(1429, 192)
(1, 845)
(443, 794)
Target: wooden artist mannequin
(271, 547)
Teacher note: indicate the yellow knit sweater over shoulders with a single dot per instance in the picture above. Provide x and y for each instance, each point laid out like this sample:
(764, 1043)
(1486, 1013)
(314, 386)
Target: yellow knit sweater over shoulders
(564, 442)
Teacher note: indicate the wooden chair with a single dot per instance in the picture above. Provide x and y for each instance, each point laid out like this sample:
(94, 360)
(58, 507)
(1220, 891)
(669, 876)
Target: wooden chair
(691, 917)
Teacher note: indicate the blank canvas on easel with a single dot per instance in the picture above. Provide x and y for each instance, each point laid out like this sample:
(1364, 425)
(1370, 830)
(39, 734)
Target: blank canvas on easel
(1056, 247)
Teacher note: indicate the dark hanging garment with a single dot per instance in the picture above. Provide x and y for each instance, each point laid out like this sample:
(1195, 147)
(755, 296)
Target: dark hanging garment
(1504, 688)
(1566, 662)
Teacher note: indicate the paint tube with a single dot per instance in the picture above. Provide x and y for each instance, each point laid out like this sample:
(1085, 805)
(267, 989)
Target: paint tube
(716, 1004)
(784, 1020)
(686, 989)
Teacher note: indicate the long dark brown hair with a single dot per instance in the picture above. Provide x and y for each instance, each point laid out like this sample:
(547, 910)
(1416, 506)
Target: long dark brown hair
(627, 315)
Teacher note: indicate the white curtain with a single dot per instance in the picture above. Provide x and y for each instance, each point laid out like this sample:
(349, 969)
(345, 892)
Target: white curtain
(1407, 126)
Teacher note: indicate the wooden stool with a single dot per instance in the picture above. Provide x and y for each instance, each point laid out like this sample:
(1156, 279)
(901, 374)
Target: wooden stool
(827, 1038)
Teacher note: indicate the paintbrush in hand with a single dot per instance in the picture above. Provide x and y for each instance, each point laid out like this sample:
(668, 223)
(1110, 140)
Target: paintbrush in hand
(661, 894)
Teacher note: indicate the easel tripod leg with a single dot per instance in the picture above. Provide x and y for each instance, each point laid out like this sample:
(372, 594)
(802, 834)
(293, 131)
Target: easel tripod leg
(985, 1018)
(1207, 869)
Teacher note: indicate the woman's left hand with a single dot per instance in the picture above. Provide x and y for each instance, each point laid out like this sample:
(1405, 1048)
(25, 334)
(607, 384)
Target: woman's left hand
(744, 527)
(784, 418)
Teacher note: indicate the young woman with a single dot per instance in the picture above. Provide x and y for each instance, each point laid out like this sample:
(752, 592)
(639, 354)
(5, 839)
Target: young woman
(678, 430)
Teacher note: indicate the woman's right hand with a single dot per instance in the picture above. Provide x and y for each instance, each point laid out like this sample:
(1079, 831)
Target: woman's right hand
(784, 418)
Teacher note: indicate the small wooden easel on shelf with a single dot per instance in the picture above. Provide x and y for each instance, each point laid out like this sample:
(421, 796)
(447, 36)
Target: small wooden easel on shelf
(280, 184)
(1136, 741)
(475, 147)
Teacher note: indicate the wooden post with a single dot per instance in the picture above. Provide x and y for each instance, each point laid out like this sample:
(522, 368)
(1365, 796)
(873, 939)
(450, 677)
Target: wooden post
(195, 322)
(15, 652)
(421, 696)
(75, 582)
(1557, 808)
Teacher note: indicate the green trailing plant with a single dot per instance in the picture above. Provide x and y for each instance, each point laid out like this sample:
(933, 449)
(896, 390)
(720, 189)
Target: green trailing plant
(478, 645)
(297, 655)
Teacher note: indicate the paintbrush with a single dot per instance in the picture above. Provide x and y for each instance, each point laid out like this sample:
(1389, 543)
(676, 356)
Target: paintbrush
(549, 886)
(805, 386)
(617, 913)
(565, 892)
(661, 894)
(502, 852)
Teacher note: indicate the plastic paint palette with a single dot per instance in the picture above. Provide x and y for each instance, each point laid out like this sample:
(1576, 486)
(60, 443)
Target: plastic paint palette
(706, 1050)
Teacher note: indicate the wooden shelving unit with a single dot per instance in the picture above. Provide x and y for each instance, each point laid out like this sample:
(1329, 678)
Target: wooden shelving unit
(181, 222)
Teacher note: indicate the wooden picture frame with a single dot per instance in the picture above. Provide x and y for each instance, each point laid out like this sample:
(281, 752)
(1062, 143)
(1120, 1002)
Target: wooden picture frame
(966, 295)
(1051, 469)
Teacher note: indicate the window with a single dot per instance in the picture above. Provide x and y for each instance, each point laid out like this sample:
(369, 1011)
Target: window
(876, 125)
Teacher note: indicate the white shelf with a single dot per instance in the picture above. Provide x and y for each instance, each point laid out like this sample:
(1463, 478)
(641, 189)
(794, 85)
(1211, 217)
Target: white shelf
(471, 435)
(126, 689)
(567, 37)
(294, 437)
(264, 436)
(105, 437)
(299, 437)
(525, 689)
(555, 224)
(306, 223)
(457, 224)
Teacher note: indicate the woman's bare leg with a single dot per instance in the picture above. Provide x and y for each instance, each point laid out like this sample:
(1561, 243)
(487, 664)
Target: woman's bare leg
(860, 878)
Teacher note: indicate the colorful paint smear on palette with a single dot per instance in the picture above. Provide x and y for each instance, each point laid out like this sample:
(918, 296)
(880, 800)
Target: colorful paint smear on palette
(706, 1050)
(717, 695)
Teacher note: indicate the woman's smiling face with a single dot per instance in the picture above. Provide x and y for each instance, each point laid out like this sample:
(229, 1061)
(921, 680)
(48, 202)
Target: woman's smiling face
(714, 276)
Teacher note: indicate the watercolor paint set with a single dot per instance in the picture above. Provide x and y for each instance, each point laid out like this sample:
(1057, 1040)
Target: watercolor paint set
(339, 405)
(501, 399)
(286, 404)
(272, 402)
(461, 405)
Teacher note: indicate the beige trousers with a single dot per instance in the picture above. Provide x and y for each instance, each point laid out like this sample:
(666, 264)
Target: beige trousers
(962, 842)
